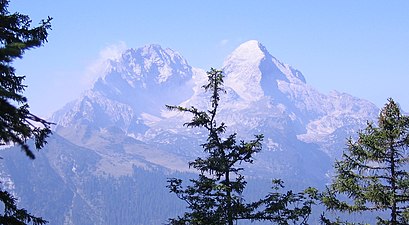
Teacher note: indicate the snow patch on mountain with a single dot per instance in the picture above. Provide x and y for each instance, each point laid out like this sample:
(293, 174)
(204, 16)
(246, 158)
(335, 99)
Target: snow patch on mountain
(96, 108)
(150, 119)
(149, 66)
(342, 110)
(253, 73)
(242, 68)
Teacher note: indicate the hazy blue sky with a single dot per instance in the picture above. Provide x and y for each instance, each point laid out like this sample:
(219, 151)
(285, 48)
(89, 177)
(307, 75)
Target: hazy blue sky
(354, 46)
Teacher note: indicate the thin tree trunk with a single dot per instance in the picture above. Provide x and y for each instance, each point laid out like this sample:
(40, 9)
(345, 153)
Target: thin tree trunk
(228, 193)
(393, 185)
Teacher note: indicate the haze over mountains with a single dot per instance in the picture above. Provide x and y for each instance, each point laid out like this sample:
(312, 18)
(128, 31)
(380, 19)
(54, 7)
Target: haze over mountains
(114, 147)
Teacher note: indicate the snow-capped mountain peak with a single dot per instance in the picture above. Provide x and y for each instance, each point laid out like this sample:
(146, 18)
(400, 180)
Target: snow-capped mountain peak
(149, 66)
(242, 70)
(253, 72)
(141, 81)
(250, 52)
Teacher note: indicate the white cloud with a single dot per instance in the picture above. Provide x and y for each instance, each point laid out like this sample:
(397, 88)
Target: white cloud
(98, 67)
(113, 51)
(223, 42)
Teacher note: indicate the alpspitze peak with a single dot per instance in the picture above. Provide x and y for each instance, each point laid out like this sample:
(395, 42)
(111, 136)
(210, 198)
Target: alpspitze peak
(250, 50)
(252, 46)
(254, 56)
(242, 69)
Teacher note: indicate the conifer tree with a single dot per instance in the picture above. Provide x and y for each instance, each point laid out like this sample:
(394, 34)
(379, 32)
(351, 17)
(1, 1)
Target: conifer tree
(17, 124)
(373, 173)
(215, 197)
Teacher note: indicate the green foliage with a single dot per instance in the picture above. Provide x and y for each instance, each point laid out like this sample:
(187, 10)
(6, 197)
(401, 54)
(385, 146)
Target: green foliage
(14, 215)
(373, 173)
(285, 208)
(216, 196)
(17, 124)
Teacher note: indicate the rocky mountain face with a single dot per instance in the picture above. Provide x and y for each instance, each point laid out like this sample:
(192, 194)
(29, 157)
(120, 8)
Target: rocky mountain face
(114, 147)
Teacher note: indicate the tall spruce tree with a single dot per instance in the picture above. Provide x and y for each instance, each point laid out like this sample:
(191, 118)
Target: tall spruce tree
(17, 124)
(373, 173)
(216, 196)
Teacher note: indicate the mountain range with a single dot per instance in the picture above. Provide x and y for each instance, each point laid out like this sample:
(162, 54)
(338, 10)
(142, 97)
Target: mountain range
(114, 147)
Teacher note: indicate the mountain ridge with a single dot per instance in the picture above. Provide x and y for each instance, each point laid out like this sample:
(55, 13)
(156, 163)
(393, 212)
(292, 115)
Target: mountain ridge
(115, 146)
(253, 79)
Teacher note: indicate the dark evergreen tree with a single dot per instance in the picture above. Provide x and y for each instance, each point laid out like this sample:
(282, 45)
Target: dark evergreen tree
(216, 197)
(17, 124)
(373, 173)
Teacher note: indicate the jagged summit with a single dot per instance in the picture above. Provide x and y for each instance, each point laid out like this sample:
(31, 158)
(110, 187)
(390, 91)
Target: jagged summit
(253, 72)
(146, 75)
(140, 82)
(148, 66)
(251, 50)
